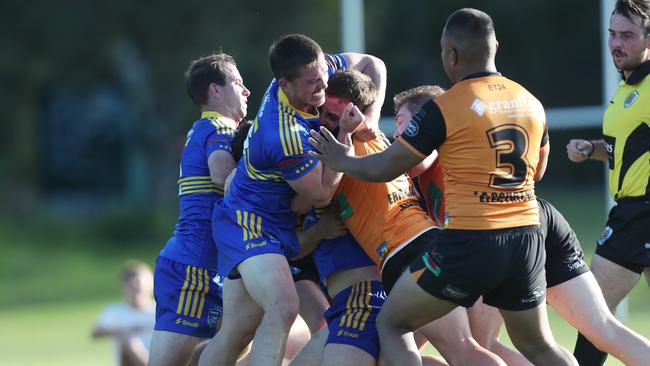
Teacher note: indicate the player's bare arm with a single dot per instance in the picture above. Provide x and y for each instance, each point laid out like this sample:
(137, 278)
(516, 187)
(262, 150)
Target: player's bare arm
(376, 70)
(220, 163)
(381, 167)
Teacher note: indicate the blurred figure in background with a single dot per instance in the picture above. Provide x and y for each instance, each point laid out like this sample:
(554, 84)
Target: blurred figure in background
(131, 321)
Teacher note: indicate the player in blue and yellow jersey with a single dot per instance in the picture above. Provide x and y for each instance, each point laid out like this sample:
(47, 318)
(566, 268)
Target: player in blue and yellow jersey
(188, 302)
(623, 251)
(493, 216)
(255, 222)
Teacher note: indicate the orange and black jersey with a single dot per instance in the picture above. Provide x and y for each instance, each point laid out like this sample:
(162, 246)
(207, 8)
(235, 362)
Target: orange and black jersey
(488, 131)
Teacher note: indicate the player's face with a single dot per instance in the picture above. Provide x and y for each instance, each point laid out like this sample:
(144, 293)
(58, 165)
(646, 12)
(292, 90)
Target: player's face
(307, 91)
(137, 286)
(235, 94)
(402, 119)
(627, 42)
(331, 112)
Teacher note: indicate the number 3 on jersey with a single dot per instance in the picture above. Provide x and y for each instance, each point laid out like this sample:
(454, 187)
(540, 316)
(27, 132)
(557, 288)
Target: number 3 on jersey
(511, 145)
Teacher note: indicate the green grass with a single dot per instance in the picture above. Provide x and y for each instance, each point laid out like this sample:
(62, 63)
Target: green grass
(55, 277)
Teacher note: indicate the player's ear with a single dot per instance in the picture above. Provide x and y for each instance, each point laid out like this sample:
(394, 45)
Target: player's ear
(453, 53)
(283, 83)
(214, 91)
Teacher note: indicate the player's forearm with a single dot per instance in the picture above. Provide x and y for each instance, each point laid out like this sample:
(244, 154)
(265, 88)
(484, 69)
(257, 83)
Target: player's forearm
(309, 240)
(600, 151)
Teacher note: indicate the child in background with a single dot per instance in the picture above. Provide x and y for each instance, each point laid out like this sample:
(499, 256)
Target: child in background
(130, 322)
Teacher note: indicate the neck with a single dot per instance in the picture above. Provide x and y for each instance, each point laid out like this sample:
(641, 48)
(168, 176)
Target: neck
(477, 68)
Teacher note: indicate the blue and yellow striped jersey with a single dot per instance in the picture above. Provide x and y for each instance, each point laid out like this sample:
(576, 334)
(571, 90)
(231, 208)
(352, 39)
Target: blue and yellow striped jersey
(192, 241)
(275, 152)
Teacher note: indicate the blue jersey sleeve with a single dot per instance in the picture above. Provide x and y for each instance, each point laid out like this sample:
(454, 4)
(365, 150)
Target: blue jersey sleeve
(291, 157)
(219, 137)
(335, 62)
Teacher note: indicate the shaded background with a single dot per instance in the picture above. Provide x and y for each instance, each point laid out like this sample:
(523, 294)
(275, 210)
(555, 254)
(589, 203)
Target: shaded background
(94, 114)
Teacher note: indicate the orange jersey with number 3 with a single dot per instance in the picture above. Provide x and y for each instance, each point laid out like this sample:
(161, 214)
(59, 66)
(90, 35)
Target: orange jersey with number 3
(380, 216)
(488, 131)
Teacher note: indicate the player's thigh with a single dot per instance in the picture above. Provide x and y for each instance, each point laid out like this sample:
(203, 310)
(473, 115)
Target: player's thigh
(171, 349)
(528, 328)
(346, 355)
(313, 304)
(410, 306)
(269, 282)
(485, 322)
(579, 301)
(241, 312)
(614, 280)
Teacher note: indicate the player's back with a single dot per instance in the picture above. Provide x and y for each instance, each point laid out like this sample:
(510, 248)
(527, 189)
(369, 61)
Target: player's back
(494, 131)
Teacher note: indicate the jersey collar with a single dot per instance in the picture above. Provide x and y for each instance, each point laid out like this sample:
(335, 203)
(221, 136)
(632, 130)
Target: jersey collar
(282, 98)
(481, 74)
(637, 75)
(215, 114)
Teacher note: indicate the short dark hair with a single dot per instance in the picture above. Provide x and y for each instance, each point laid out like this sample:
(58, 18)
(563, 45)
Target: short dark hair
(237, 143)
(631, 8)
(353, 86)
(205, 71)
(414, 98)
(473, 31)
(290, 53)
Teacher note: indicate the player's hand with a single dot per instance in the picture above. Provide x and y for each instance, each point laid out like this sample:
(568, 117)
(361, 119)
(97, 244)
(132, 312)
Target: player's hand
(330, 224)
(578, 150)
(351, 119)
(328, 150)
(366, 134)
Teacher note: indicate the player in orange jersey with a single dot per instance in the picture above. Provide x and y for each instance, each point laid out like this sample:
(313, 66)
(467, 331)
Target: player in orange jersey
(491, 136)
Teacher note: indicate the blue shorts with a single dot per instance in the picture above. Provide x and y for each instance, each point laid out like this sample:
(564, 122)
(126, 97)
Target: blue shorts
(239, 238)
(188, 301)
(351, 317)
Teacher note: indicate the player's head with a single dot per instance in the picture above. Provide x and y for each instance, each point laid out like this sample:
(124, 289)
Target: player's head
(214, 83)
(409, 101)
(299, 66)
(237, 143)
(137, 280)
(343, 87)
(468, 42)
(629, 30)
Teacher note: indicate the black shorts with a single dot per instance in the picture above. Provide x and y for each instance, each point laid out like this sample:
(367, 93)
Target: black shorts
(398, 263)
(304, 269)
(626, 238)
(506, 266)
(564, 255)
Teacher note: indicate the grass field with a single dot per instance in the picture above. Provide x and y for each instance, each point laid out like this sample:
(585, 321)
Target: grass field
(56, 277)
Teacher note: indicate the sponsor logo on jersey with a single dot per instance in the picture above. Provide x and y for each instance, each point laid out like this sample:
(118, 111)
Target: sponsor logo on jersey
(382, 251)
(574, 261)
(454, 292)
(412, 129)
(537, 293)
(631, 99)
(605, 235)
(478, 107)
